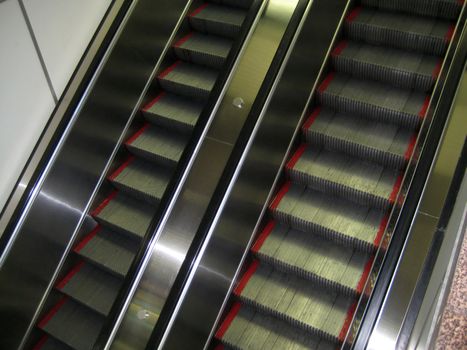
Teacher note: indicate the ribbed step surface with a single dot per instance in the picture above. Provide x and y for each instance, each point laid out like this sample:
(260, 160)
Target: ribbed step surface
(393, 66)
(205, 50)
(428, 35)
(73, 324)
(292, 300)
(386, 144)
(217, 20)
(172, 111)
(313, 258)
(49, 343)
(246, 328)
(345, 176)
(91, 286)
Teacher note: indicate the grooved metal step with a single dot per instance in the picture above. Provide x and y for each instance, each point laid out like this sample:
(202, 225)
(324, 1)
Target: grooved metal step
(313, 258)
(73, 324)
(292, 300)
(141, 179)
(217, 20)
(428, 35)
(246, 328)
(91, 286)
(156, 144)
(373, 100)
(125, 214)
(393, 66)
(202, 49)
(110, 250)
(48, 343)
(345, 176)
(334, 218)
(386, 144)
(436, 8)
(188, 80)
(244, 4)
(173, 112)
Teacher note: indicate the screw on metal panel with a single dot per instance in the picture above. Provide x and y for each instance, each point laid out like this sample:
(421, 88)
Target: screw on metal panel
(238, 102)
(143, 314)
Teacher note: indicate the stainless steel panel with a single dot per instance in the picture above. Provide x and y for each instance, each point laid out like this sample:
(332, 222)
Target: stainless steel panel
(79, 162)
(205, 295)
(175, 235)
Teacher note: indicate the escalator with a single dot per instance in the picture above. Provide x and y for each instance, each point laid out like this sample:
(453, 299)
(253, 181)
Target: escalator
(309, 265)
(95, 270)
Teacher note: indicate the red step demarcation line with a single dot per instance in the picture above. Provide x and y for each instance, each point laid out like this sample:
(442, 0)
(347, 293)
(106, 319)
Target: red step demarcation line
(450, 33)
(298, 153)
(104, 203)
(437, 69)
(353, 14)
(311, 119)
(246, 277)
(122, 167)
(219, 346)
(339, 48)
(151, 103)
(325, 83)
(198, 10)
(424, 108)
(86, 239)
(63, 282)
(282, 192)
(228, 320)
(365, 274)
(410, 147)
(42, 323)
(395, 188)
(347, 321)
(137, 134)
(381, 229)
(263, 236)
(184, 39)
(41, 342)
(166, 71)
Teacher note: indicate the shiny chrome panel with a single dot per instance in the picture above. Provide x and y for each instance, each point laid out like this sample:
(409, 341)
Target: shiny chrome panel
(84, 153)
(176, 233)
(229, 235)
(387, 333)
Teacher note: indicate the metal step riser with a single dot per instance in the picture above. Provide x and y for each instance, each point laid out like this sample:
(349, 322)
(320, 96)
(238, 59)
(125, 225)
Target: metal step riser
(152, 157)
(168, 123)
(136, 194)
(201, 58)
(216, 28)
(184, 90)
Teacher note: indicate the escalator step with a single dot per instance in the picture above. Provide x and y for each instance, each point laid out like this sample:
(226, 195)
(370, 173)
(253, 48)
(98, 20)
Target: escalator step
(125, 214)
(49, 343)
(386, 144)
(428, 35)
(187, 79)
(108, 249)
(73, 324)
(91, 286)
(156, 144)
(244, 328)
(373, 100)
(334, 218)
(141, 179)
(173, 112)
(202, 49)
(436, 8)
(344, 176)
(245, 4)
(295, 301)
(394, 66)
(313, 258)
(217, 20)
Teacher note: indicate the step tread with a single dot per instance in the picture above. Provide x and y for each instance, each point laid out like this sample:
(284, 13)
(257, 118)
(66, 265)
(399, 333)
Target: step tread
(108, 249)
(125, 215)
(313, 258)
(250, 329)
(295, 301)
(339, 174)
(49, 343)
(73, 324)
(91, 286)
(142, 179)
(334, 218)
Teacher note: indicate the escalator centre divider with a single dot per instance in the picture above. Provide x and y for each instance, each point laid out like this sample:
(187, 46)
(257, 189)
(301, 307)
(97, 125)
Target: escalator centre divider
(103, 261)
(308, 266)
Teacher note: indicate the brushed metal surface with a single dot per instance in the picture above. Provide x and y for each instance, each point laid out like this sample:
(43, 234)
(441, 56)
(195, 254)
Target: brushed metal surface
(175, 236)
